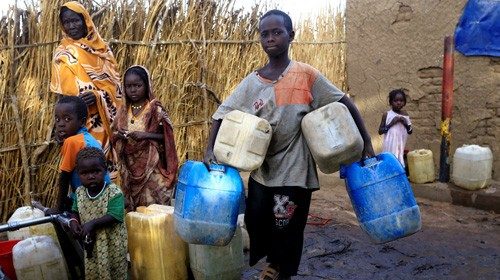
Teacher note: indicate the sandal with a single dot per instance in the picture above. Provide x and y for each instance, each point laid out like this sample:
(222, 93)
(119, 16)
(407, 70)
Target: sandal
(269, 273)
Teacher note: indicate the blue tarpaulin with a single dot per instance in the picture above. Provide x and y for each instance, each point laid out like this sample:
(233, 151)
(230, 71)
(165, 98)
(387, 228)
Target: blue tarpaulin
(478, 31)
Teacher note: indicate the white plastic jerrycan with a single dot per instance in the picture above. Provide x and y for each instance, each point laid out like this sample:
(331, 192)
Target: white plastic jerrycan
(27, 213)
(218, 262)
(242, 140)
(472, 167)
(332, 137)
(39, 258)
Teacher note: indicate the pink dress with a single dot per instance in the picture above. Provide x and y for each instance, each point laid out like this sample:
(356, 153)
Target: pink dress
(396, 136)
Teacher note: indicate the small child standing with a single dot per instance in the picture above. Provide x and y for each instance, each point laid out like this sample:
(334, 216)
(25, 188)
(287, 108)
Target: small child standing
(144, 142)
(70, 119)
(99, 206)
(395, 125)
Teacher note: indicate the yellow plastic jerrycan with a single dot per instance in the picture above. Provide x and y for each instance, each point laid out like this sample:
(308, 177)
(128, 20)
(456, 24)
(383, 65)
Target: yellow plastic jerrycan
(156, 251)
(421, 166)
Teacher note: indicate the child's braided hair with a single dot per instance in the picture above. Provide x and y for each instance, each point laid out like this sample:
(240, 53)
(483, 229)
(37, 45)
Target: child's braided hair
(78, 104)
(90, 152)
(393, 93)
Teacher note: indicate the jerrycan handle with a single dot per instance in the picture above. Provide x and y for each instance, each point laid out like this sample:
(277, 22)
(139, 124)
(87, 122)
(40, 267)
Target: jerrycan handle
(364, 162)
(217, 167)
(367, 162)
(342, 171)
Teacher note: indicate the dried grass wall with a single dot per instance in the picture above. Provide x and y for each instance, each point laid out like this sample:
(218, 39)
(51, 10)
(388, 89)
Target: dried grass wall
(196, 52)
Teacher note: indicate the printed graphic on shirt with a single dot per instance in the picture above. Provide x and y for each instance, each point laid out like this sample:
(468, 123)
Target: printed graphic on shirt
(283, 210)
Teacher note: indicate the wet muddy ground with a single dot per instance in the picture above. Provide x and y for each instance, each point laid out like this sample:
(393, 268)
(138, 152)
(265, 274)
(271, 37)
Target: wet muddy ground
(455, 243)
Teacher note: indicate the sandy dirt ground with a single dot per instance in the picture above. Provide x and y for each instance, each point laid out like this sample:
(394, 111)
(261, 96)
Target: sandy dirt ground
(455, 243)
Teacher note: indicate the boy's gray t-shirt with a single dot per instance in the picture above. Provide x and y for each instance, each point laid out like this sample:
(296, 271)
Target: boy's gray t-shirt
(283, 103)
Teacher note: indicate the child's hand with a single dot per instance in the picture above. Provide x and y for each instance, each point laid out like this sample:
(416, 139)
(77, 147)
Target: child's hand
(38, 205)
(121, 134)
(138, 135)
(58, 139)
(47, 211)
(88, 229)
(397, 119)
(368, 150)
(209, 158)
(51, 211)
(394, 121)
(75, 229)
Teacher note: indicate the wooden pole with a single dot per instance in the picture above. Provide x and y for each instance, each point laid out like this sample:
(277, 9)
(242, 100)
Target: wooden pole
(446, 110)
(203, 78)
(15, 111)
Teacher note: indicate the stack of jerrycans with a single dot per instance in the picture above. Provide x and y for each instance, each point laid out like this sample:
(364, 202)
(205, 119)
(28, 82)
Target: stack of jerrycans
(38, 255)
(206, 211)
(208, 199)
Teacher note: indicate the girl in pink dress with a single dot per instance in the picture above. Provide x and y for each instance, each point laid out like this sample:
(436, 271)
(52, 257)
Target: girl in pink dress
(395, 125)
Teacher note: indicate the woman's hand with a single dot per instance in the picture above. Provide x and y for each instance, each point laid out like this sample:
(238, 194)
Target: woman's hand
(88, 97)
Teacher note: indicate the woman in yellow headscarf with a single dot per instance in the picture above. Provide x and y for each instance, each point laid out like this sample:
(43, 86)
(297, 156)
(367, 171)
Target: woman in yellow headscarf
(83, 65)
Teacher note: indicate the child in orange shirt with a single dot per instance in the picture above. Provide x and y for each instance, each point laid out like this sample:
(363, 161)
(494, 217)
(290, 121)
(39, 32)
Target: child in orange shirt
(70, 118)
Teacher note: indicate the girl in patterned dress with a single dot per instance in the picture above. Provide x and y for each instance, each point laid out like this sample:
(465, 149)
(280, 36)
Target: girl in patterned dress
(99, 219)
(144, 142)
(395, 125)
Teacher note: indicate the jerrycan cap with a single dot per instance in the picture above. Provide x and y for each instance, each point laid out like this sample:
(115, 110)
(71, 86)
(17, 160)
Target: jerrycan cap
(217, 167)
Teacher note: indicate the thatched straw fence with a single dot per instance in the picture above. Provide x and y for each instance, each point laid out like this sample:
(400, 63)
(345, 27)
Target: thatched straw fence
(196, 50)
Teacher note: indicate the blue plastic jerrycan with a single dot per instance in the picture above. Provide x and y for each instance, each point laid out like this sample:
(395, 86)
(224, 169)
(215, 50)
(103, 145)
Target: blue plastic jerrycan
(382, 197)
(207, 203)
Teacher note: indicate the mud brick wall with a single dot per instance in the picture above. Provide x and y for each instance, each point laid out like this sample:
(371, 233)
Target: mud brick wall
(399, 44)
